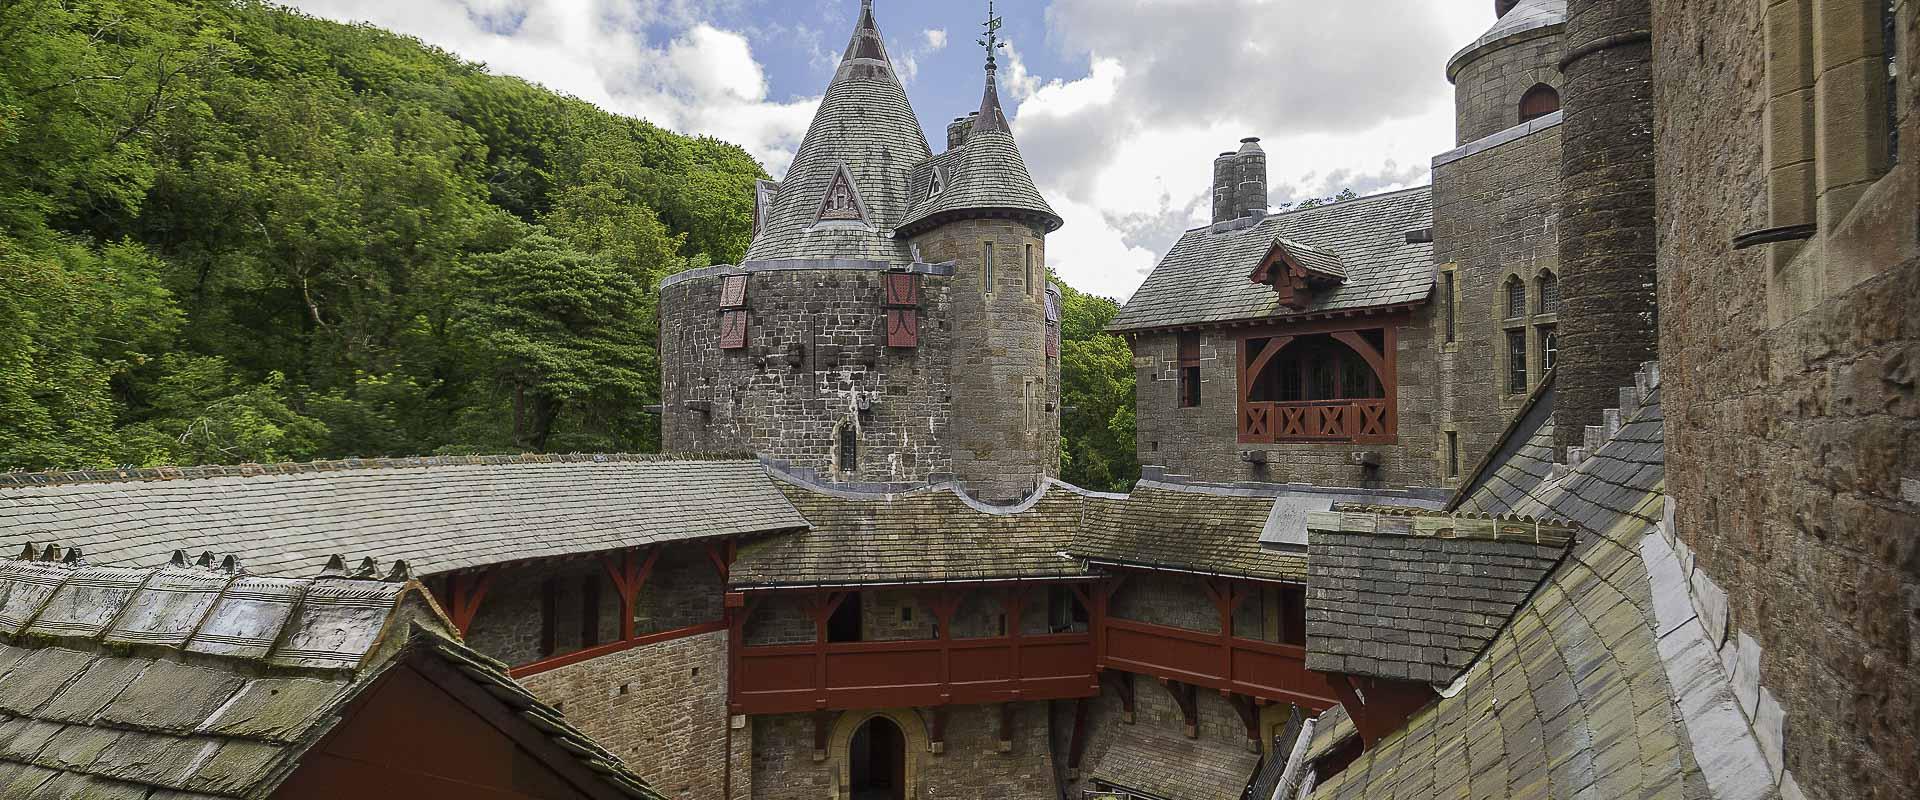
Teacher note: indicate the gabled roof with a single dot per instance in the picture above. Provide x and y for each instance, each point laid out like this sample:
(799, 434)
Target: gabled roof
(1415, 596)
(1151, 759)
(189, 683)
(865, 123)
(437, 514)
(1203, 279)
(1164, 526)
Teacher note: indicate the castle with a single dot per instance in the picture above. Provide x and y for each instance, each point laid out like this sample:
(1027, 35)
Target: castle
(1588, 471)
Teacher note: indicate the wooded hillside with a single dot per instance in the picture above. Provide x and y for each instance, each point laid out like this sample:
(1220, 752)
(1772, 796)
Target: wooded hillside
(230, 232)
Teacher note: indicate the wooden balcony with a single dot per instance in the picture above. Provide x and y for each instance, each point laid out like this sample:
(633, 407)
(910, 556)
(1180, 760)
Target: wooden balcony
(779, 679)
(1330, 421)
(1250, 667)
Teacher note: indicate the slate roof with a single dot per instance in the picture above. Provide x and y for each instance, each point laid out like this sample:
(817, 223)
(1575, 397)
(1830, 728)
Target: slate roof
(1573, 697)
(1415, 596)
(1169, 766)
(438, 514)
(1204, 278)
(1524, 459)
(187, 683)
(866, 124)
(1188, 528)
(926, 535)
(985, 174)
(1528, 18)
(1315, 259)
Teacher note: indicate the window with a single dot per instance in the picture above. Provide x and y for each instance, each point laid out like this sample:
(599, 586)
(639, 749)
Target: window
(1327, 387)
(938, 183)
(1448, 309)
(1030, 283)
(1548, 290)
(986, 266)
(1453, 454)
(1517, 361)
(1549, 347)
(842, 202)
(848, 451)
(1538, 102)
(1516, 297)
(1189, 370)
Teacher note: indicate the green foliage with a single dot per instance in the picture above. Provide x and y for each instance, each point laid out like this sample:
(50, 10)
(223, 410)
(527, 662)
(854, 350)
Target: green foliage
(230, 232)
(1096, 390)
(1315, 202)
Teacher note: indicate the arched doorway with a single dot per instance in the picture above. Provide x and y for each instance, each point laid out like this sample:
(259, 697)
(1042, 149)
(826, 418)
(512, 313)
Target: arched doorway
(877, 761)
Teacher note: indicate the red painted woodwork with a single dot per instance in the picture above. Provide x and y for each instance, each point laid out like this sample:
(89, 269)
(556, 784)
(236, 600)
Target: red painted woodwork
(1077, 745)
(780, 679)
(1333, 421)
(903, 290)
(465, 591)
(381, 749)
(733, 329)
(733, 291)
(1378, 706)
(577, 656)
(903, 327)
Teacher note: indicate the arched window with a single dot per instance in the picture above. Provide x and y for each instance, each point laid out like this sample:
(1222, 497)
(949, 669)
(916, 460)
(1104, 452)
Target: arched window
(1547, 289)
(1516, 290)
(1539, 101)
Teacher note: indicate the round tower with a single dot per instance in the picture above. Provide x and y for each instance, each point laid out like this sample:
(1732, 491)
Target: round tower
(890, 323)
(1510, 75)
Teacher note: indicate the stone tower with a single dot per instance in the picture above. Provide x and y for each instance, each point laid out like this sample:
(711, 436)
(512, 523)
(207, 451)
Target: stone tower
(892, 320)
(1607, 229)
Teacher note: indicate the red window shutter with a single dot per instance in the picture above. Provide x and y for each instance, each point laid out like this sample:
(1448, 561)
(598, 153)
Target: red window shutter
(903, 290)
(1053, 340)
(733, 329)
(903, 327)
(733, 291)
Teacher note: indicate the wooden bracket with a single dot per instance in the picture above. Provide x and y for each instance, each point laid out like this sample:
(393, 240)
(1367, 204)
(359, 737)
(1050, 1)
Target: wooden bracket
(1006, 728)
(722, 555)
(1188, 698)
(465, 591)
(629, 574)
(823, 732)
(1077, 746)
(938, 734)
(1123, 686)
(1249, 712)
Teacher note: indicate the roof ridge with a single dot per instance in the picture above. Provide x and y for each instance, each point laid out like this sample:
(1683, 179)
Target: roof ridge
(22, 479)
(1340, 203)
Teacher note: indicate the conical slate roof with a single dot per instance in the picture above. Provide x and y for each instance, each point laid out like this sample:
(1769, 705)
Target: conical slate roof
(1521, 19)
(866, 127)
(985, 176)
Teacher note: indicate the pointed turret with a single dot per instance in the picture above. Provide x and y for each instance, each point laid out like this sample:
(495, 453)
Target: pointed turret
(846, 188)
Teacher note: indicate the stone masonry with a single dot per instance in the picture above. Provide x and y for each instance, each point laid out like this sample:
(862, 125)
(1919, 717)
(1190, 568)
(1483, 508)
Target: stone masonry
(1488, 85)
(1794, 445)
(1607, 231)
(971, 764)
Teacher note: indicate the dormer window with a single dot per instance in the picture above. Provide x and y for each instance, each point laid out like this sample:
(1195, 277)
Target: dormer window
(1298, 272)
(938, 183)
(1538, 102)
(842, 202)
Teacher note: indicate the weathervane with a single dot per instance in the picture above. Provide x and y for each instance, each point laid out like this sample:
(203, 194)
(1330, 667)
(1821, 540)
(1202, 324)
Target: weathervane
(993, 34)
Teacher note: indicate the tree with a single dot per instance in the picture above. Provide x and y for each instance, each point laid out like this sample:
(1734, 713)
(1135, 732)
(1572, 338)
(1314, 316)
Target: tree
(1096, 389)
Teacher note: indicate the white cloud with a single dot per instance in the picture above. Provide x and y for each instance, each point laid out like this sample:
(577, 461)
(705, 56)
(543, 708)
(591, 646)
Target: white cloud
(1125, 151)
(705, 80)
(936, 39)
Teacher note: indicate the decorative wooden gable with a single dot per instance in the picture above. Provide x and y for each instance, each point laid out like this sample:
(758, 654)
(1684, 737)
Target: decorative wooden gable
(842, 202)
(733, 312)
(902, 303)
(1296, 284)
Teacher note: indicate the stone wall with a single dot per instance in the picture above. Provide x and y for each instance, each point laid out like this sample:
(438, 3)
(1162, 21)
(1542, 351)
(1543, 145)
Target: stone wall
(971, 765)
(1793, 449)
(1606, 215)
(815, 348)
(1494, 217)
(684, 590)
(508, 625)
(1488, 86)
(662, 708)
(1202, 442)
(1005, 429)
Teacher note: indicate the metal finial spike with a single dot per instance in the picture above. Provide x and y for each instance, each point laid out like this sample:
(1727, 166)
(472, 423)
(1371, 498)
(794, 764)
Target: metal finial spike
(336, 567)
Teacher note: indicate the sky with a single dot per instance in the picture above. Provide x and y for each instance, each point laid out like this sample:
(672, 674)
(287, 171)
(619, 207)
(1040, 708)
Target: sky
(1119, 106)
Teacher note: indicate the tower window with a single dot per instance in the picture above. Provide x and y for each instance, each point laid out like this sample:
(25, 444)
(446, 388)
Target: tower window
(1549, 292)
(1538, 102)
(1516, 297)
(1030, 283)
(1517, 361)
(1549, 347)
(848, 454)
(1189, 370)
(1453, 454)
(1446, 303)
(986, 266)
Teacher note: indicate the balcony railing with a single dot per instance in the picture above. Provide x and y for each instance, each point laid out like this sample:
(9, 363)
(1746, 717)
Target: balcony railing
(1332, 421)
(777, 679)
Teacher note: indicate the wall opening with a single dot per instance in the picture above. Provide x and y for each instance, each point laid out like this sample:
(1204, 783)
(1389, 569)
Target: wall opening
(1538, 102)
(847, 622)
(877, 761)
(1189, 370)
(846, 450)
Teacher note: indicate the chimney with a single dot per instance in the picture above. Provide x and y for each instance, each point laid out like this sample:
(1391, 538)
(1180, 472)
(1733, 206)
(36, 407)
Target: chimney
(956, 132)
(1225, 176)
(1250, 188)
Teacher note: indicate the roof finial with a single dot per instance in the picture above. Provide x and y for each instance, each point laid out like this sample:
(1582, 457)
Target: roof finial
(992, 42)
